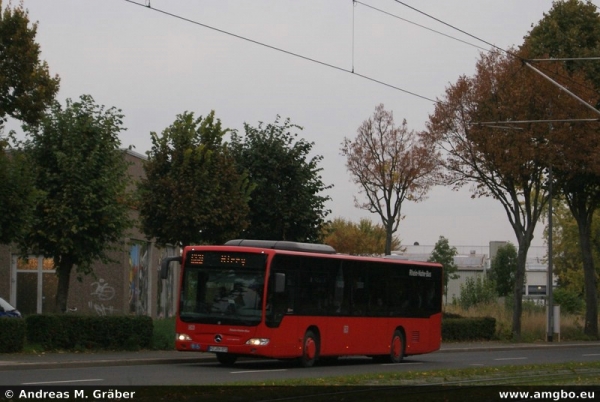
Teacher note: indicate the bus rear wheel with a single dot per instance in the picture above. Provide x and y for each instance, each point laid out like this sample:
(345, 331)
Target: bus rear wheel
(397, 347)
(226, 359)
(310, 349)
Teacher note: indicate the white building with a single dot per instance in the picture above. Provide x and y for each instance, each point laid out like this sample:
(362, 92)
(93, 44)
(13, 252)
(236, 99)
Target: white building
(474, 261)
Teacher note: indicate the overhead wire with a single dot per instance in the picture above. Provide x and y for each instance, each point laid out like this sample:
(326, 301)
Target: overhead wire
(522, 59)
(282, 50)
(419, 25)
(352, 70)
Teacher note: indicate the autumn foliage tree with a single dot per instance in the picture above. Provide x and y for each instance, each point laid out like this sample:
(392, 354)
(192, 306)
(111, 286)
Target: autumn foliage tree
(505, 164)
(571, 30)
(509, 162)
(391, 164)
(362, 238)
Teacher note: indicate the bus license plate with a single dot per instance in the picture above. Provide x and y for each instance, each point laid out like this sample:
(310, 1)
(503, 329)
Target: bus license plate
(222, 349)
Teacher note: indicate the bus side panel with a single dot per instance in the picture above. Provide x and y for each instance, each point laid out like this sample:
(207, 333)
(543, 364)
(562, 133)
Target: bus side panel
(371, 335)
(283, 339)
(422, 334)
(336, 335)
(343, 336)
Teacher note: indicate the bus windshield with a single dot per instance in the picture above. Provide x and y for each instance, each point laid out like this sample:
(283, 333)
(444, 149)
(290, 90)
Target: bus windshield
(220, 288)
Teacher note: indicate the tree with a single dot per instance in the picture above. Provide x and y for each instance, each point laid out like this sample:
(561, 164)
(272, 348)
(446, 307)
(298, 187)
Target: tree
(78, 165)
(444, 254)
(361, 238)
(26, 88)
(18, 195)
(287, 201)
(503, 269)
(567, 256)
(390, 164)
(192, 193)
(508, 165)
(571, 29)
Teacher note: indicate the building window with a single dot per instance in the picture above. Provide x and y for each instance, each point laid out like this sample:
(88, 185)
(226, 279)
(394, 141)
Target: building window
(35, 285)
(536, 290)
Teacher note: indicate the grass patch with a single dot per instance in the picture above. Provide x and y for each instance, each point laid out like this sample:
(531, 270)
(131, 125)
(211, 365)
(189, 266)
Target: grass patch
(449, 385)
(163, 337)
(537, 374)
(533, 321)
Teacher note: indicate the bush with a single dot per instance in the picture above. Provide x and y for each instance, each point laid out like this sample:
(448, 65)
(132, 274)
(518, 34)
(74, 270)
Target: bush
(164, 334)
(476, 291)
(569, 301)
(468, 329)
(90, 332)
(12, 335)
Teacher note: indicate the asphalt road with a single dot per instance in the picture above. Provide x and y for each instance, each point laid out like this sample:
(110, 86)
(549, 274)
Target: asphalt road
(154, 368)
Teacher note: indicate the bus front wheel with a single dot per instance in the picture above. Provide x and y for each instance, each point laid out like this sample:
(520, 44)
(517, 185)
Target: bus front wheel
(310, 349)
(397, 347)
(226, 359)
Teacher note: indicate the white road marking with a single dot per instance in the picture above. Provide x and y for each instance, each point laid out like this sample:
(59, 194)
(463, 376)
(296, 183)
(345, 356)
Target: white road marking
(255, 371)
(62, 382)
(402, 364)
(591, 354)
(512, 358)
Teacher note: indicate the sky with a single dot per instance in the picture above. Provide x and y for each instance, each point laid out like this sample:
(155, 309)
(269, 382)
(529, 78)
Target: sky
(156, 62)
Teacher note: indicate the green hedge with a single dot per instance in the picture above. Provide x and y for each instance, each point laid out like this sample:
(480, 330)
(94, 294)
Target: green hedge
(90, 332)
(12, 335)
(468, 329)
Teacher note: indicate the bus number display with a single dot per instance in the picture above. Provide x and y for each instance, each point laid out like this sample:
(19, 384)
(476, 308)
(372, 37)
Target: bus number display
(197, 259)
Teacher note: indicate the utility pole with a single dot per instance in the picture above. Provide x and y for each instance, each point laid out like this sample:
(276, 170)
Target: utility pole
(549, 283)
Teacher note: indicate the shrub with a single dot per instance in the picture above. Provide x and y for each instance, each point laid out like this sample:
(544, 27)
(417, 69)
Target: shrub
(12, 335)
(476, 291)
(468, 329)
(570, 302)
(90, 332)
(164, 334)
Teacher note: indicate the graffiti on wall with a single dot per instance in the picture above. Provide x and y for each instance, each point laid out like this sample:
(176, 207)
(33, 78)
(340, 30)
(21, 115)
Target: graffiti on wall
(138, 278)
(102, 292)
(165, 305)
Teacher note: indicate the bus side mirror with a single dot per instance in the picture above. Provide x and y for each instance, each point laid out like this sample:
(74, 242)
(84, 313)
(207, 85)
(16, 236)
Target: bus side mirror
(164, 266)
(279, 282)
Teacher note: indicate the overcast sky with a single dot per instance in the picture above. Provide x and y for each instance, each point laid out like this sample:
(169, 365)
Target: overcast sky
(154, 66)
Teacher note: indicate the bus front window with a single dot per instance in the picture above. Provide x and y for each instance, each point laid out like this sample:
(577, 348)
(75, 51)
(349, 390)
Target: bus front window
(216, 295)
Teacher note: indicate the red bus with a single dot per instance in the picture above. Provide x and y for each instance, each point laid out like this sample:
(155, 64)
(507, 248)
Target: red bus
(290, 300)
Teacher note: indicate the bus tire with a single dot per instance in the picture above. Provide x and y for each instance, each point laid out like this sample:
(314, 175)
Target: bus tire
(226, 359)
(397, 347)
(310, 349)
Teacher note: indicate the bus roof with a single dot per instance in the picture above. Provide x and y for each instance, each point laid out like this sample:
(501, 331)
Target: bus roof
(283, 245)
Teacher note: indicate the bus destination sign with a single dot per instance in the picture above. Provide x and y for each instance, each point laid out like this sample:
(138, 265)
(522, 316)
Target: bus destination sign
(218, 259)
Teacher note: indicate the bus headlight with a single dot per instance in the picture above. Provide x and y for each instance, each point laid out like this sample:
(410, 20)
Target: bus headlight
(183, 337)
(257, 341)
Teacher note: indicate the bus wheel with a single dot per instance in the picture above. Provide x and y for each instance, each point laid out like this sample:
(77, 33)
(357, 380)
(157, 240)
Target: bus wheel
(310, 349)
(226, 359)
(397, 347)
